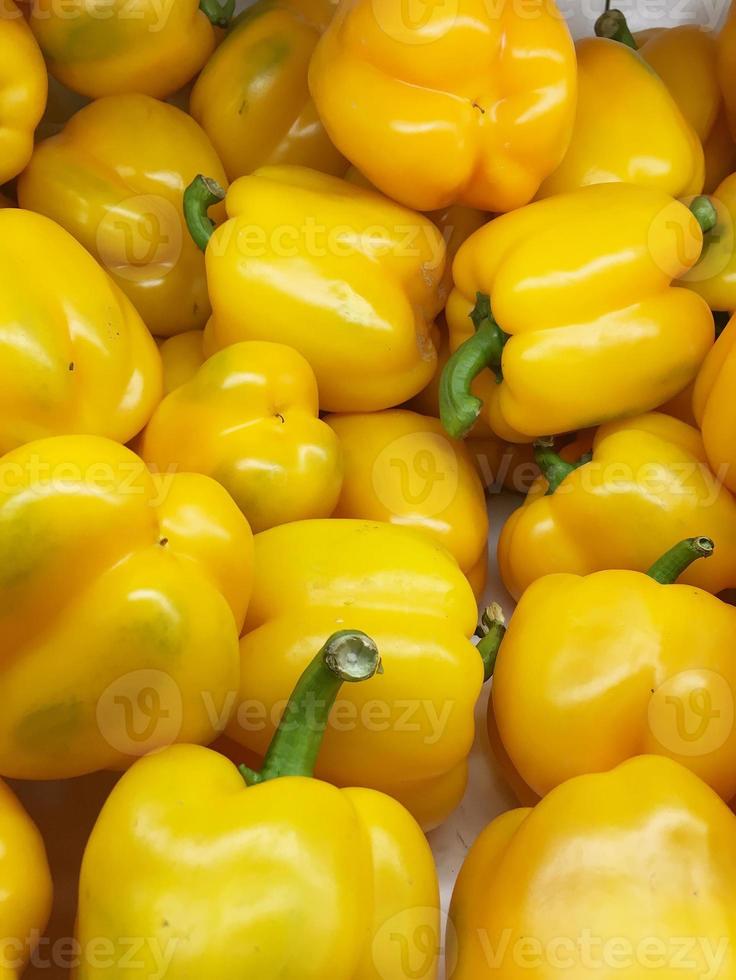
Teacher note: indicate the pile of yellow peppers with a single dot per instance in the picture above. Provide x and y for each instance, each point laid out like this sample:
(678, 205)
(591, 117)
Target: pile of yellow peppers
(288, 289)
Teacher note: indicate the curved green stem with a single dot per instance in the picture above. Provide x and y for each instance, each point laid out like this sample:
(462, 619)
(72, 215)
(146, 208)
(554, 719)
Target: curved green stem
(459, 408)
(220, 14)
(554, 468)
(671, 565)
(348, 656)
(491, 631)
(202, 194)
(612, 24)
(704, 212)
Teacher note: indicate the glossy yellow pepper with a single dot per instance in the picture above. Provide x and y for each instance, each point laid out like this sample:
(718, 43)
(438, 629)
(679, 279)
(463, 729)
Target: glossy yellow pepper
(115, 178)
(123, 597)
(647, 486)
(407, 733)
(465, 105)
(626, 874)
(75, 356)
(23, 91)
(181, 356)
(119, 47)
(252, 97)
(345, 276)
(714, 276)
(25, 886)
(726, 62)
(286, 878)
(402, 468)
(628, 127)
(715, 408)
(249, 418)
(574, 314)
(595, 670)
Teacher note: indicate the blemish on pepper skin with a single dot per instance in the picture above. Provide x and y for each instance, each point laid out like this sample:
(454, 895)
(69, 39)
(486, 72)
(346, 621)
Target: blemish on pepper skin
(163, 542)
(281, 418)
(71, 365)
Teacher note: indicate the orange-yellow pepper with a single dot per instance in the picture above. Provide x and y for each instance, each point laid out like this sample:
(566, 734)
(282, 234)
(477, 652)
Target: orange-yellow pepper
(123, 595)
(23, 90)
(285, 878)
(75, 356)
(407, 733)
(628, 874)
(249, 418)
(402, 468)
(121, 46)
(726, 63)
(115, 178)
(463, 105)
(715, 406)
(647, 486)
(568, 304)
(25, 886)
(345, 276)
(594, 670)
(252, 97)
(628, 127)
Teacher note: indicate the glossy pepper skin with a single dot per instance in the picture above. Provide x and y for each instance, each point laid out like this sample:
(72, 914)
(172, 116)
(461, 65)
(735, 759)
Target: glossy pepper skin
(402, 468)
(726, 62)
(115, 179)
(628, 127)
(317, 882)
(23, 90)
(346, 277)
(313, 577)
(249, 418)
(181, 357)
(113, 660)
(252, 97)
(714, 407)
(25, 885)
(71, 335)
(150, 48)
(617, 874)
(647, 486)
(594, 670)
(573, 308)
(465, 106)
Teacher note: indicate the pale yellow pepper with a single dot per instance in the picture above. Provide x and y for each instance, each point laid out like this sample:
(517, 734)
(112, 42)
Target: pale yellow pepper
(252, 97)
(115, 177)
(23, 90)
(75, 356)
(249, 418)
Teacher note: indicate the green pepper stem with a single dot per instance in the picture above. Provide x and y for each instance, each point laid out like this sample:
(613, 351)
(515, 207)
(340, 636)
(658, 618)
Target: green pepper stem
(348, 655)
(554, 468)
(220, 14)
(459, 408)
(704, 212)
(612, 24)
(202, 194)
(491, 631)
(667, 569)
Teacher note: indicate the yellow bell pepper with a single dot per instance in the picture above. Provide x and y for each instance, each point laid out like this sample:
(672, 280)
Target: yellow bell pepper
(460, 106)
(286, 878)
(181, 356)
(407, 733)
(714, 276)
(574, 314)
(345, 276)
(628, 126)
(252, 97)
(648, 485)
(123, 598)
(25, 886)
(714, 406)
(598, 669)
(75, 355)
(23, 91)
(249, 418)
(115, 178)
(121, 46)
(625, 874)
(726, 64)
(402, 468)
